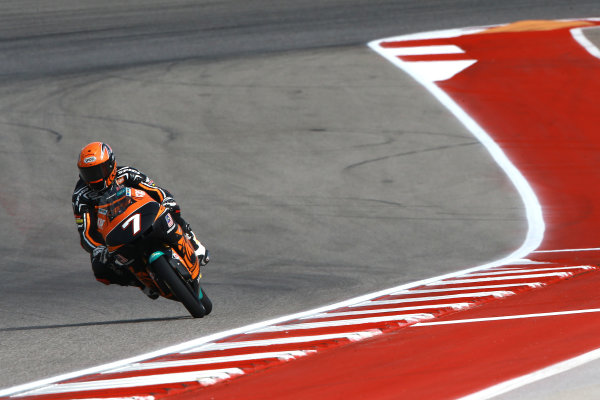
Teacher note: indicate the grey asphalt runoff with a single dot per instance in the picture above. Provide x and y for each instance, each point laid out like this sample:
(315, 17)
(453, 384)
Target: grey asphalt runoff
(312, 169)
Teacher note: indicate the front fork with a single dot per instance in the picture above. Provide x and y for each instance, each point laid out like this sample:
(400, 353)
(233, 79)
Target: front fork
(171, 233)
(182, 271)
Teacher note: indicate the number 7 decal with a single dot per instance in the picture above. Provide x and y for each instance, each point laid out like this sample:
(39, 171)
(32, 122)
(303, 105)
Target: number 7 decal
(135, 218)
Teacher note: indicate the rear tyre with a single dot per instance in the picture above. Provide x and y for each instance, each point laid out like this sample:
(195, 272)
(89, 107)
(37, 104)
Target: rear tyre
(178, 287)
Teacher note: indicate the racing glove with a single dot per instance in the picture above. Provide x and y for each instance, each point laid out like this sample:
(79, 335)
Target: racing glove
(100, 255)
(203, 259)
(170, 204)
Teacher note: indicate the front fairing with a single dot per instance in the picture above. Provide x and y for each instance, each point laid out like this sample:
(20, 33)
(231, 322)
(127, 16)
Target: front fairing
(133, 226)
(125, 214)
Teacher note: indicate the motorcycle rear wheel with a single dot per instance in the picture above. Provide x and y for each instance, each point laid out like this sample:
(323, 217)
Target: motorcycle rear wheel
(179, 288)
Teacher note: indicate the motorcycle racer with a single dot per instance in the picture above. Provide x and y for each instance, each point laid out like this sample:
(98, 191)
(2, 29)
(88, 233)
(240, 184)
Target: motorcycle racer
(98, 172)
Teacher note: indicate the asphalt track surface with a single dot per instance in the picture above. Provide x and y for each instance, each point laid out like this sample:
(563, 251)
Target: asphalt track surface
(312, 169)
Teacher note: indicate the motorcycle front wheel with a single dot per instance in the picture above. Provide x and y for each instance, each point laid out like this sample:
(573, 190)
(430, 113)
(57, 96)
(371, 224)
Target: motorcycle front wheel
(179, 288)
(205, 300)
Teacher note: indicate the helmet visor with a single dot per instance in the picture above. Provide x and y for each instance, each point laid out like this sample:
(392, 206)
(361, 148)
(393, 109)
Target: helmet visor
(95, 176)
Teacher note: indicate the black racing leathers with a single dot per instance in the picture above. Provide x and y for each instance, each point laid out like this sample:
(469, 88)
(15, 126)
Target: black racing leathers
(84, 208)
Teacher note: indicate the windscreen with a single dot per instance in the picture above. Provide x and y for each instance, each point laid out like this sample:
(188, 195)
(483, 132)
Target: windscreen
(115, 201)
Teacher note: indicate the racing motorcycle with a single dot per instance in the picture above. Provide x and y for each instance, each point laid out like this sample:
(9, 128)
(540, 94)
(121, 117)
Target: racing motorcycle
(142, 236)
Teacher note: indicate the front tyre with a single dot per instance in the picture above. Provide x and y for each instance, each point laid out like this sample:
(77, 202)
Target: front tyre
(205, 300)
(180, 290)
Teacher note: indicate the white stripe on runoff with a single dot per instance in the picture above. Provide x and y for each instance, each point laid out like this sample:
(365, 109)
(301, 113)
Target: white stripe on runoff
(495, 293)
(468, 288)
(505, 317)
(425, 50)
(351, 336)
(524, 271)
(436, 71)
(281, 355)
(454, 306)
(433, 70)
(355, 321)
(526, 261)
(195, 376)
(502, 278)
(567, 250)
(125, 398)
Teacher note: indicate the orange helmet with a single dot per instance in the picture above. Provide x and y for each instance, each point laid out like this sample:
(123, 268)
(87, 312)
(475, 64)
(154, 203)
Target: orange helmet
(97, 166)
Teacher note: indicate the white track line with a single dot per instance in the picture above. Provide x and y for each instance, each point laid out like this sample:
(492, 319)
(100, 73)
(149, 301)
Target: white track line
(532, 205)
(543, 373)
(580, 38)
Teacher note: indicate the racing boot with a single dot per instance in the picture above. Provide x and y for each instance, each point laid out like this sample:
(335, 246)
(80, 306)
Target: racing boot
(199, 249)
(151, 293)
(148, 291)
